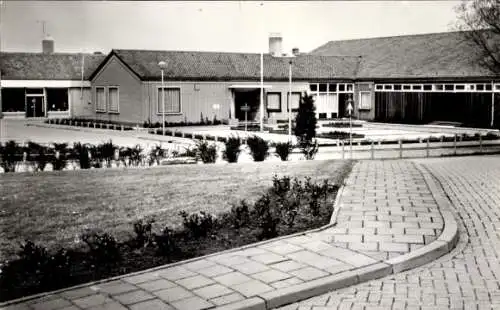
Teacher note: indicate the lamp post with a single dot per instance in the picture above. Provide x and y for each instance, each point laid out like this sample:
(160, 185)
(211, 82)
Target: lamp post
(290, 100)
(349, 109)
(162, 66)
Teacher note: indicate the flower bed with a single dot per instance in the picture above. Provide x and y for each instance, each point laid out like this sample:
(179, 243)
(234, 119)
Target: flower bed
(90, 123)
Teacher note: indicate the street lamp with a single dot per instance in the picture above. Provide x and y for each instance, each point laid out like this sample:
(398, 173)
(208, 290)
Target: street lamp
(162, 66)
(290, 100)
(349, 109)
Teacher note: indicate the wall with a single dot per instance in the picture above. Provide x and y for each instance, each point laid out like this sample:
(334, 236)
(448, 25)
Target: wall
(114, 73)
(81, 106)
(283, 88)
(197, 99)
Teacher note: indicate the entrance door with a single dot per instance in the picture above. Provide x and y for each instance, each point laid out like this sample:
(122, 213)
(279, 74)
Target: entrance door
(251, 98)
(35, 106)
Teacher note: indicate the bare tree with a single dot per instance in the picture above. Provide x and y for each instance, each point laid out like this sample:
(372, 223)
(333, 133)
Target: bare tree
(479, 21)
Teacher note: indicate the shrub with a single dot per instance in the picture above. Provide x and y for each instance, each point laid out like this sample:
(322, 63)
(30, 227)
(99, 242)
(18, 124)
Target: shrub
(41, 159)
(305, 121)
(165, 242)
(288, 197)
(239, 216)
(259, 148)
(59, 162)
(267, 217)
(82, 153)
(143, 230)
(315, 192)
(156, 154)
(283, 150)
(103, 247)
(34, 257)
(107, 152)
(11, 153)
(198, 224)
(232, 150)
(309, 149)
(207, 152)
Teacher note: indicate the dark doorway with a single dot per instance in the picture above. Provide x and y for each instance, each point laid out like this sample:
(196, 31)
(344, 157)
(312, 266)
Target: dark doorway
(246, 97)
(34, 106)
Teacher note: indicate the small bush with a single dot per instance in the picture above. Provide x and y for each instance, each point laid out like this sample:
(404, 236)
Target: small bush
(266, 216)
(239, 216)
(165, 242)
(107, 152)
(259, 148)
(38, 155)
(10, 153)
(206, 152)
(283, 150)
(34, 257)
(143, 230)
(309, 148)
(59, 163)
(82, 153)
(198, 224)
(232, 150)
(156, 154)
(103, 247)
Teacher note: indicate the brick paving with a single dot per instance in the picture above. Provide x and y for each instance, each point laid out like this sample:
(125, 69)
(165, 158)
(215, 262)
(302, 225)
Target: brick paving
(468, 277)
(385, 210)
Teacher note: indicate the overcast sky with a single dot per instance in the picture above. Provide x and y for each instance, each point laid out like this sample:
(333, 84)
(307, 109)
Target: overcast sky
(237, 26)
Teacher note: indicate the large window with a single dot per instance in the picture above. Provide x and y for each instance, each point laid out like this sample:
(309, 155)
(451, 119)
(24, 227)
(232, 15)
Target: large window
(100, 99)
(274, 102)
(294, 101)
(172, 100)
(113, 100)
(365, 100)
(13, 100)
(57, 99)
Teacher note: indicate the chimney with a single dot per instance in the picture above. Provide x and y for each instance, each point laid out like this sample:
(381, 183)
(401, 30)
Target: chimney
(275, 41)
(98, 53)
(295, 51)
(48, 45)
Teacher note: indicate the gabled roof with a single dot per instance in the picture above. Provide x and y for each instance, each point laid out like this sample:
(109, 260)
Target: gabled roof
(435, 55)
(184, 65)
(56, 66)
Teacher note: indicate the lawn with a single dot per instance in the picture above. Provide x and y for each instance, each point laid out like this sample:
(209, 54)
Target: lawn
(54, 208)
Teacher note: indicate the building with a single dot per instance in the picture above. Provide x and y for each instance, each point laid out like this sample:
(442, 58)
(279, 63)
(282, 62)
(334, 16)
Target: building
(422, 78)
(47, 84)
(408, 79)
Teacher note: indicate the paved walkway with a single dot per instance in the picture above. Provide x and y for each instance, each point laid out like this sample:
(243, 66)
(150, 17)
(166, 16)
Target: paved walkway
(468, 277)
(386, 210)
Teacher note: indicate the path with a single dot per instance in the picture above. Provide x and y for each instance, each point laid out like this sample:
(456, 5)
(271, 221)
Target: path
(386, 210)
(467, 278)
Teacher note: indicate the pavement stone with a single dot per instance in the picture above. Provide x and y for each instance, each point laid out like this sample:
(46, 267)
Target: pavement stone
(466, 278)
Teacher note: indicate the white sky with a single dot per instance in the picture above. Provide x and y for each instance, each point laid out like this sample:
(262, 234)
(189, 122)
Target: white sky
(236, 26)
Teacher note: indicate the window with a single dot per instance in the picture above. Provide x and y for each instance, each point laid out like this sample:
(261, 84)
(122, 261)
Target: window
(428, 87)
(407, 87)
(13, 100)
(438, 87)
(313, 87)
(417, 87)
(388, 87)
(397, 87)
(448, 87)
(113, 100)
(322, 87)
(332, 87)
(172, 100)
(100, 99)
(365, 100)
(459, 87)
(34, 91)
(349, 87)
(295, 100)
(497, 86)
(488, 86)
(57, 99)
(341, 87)
(274, 102)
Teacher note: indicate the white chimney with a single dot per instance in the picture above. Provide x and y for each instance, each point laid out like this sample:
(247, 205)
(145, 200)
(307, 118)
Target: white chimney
(275, 41)
(48, 45)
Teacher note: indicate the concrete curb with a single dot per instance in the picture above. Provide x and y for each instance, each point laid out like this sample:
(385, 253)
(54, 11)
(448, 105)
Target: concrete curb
(443, 245)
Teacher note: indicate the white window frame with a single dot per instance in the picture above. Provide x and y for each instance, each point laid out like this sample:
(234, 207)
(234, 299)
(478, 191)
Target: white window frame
(360, 106)
(158, 103)
(446, 87)
(108, 105)
(267, 102)
(96, 99)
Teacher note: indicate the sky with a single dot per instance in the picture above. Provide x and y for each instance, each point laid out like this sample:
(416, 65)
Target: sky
(231, 26)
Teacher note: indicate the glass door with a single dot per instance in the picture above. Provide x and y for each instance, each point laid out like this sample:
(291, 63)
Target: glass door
(35, 106)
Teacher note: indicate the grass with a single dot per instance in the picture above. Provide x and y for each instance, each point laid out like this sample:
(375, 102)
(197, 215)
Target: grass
(54, 208)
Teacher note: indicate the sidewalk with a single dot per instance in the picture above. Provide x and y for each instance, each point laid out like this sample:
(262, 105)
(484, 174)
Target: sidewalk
(390, 217)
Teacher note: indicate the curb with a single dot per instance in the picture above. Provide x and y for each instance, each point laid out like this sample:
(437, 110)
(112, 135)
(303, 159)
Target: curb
(430, 252)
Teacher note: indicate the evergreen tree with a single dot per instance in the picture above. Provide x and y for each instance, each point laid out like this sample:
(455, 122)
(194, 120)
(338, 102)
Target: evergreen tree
(305, 121)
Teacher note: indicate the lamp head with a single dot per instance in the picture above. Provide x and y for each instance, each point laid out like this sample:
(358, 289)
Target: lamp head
(162, 64)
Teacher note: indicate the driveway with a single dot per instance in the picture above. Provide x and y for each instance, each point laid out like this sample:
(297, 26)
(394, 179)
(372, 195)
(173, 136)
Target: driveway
(468, 277)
